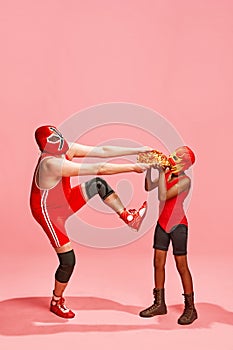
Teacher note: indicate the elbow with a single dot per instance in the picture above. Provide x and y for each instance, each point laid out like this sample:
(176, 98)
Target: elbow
(162, 197)
(162, 194)
(147, 186)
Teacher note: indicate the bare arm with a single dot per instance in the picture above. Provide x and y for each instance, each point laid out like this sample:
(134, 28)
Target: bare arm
(181, 186)
(57, 167)
(78, 150)
(149, 184)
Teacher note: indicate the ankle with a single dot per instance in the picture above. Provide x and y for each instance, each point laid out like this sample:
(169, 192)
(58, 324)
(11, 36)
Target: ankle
(56, 297)
(121, 211)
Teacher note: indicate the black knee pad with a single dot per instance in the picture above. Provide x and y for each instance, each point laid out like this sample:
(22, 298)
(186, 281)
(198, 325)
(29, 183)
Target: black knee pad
(65, 269)
(98, 186)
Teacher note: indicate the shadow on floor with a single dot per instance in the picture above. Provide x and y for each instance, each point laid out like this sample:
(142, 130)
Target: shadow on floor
(20, 316)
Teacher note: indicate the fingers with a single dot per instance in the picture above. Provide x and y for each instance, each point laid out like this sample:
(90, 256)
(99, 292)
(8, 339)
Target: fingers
(142, 167)
(155, 166)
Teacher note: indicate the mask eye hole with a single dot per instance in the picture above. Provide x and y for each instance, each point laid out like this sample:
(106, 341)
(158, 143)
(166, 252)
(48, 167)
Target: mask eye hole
(175, 158)
(53, 138)
(180, 154)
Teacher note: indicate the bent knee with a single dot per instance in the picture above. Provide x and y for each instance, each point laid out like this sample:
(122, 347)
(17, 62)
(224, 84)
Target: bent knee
(98, 186)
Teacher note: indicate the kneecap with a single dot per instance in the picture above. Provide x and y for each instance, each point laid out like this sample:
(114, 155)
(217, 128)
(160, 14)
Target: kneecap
(98, 186)
(66, 267)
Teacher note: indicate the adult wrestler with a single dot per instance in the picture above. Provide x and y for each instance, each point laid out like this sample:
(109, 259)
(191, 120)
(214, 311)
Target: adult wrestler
(53, 199)
(173, 187)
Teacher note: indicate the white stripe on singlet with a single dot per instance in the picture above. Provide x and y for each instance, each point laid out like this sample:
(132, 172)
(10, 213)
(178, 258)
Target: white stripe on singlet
(46, 217)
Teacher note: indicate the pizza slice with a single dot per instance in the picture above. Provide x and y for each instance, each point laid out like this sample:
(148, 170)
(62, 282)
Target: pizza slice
(153, 157)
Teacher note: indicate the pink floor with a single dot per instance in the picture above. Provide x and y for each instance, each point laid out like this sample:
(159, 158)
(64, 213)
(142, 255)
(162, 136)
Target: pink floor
(107, 300)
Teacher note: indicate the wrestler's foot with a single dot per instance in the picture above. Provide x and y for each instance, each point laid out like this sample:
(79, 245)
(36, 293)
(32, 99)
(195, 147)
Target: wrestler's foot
(58, 308)
(133, 218)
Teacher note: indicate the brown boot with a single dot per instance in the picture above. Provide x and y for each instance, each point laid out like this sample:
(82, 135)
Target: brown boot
(158, 308)
(190, 313)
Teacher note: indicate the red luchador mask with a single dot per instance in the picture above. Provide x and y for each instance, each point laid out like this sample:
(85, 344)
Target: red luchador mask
(50, 140)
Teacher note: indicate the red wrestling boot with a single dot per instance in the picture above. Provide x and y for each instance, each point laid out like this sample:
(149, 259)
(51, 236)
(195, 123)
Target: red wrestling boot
(133, 218)
(58, 308)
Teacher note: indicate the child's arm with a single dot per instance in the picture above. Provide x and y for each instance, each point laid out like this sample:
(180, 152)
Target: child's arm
(164, 194)
(149, 184)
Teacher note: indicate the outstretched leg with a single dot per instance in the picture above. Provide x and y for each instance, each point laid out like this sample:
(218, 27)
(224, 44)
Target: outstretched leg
(131, 217)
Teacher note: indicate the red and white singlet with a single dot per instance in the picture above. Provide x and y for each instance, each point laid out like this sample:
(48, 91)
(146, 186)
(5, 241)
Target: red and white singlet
(52, 207)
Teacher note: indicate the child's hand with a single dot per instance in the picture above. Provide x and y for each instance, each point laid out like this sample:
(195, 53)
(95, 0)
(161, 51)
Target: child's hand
(158, 167)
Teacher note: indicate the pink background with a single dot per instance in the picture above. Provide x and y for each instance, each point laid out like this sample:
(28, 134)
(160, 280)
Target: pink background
(59, 57)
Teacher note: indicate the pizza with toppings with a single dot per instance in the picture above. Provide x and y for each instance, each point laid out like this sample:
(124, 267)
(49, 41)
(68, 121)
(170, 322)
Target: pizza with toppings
(153, 157)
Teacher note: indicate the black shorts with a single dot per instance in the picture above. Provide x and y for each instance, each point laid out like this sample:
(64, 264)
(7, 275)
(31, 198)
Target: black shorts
(178, 236)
